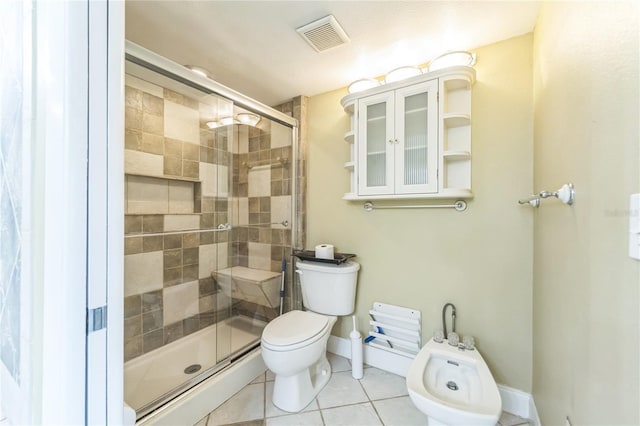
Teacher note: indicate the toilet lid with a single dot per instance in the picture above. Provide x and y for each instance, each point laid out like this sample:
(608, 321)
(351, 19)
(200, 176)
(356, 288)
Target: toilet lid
(294, 327)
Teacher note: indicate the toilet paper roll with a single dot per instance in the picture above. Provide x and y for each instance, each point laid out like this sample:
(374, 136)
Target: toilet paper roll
(324, 251)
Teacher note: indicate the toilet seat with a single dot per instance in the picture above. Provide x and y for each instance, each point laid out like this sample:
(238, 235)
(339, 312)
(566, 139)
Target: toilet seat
(294, 329)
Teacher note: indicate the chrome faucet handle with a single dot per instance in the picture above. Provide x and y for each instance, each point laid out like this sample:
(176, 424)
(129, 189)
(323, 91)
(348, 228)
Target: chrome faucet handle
(453, 338)
(469, 343)
(438, 336)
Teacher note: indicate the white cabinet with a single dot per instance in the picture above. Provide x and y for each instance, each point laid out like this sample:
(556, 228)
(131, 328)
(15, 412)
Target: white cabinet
(412, 139)
(397, 141)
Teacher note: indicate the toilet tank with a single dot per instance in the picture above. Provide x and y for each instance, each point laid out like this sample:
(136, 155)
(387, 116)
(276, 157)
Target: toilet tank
(328, 289)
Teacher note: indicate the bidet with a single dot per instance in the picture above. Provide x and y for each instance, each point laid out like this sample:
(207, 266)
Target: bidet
(453, 386)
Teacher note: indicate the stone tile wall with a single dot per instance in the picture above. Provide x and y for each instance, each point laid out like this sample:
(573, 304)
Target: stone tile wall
(183, 180)
(297, 108)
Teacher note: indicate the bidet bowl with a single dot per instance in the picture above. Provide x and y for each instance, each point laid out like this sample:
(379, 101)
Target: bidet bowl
(453, 386)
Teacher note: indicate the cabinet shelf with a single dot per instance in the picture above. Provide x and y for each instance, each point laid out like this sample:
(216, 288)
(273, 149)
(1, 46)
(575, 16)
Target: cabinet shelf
(457, 83)
(349, 137)
(456, 155)
(448, 193)
(456, 193)
(377, 153)
(456, 120)
(349, 106)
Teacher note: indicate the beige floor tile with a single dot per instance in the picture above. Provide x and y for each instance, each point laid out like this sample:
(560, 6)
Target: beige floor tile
(248, 404)
(351, 415)
(379, 384)
(399, 412)
(311, 418)
(342, 389)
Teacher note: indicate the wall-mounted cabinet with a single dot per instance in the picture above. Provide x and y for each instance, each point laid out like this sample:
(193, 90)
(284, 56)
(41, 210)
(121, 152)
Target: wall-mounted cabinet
(412, 139)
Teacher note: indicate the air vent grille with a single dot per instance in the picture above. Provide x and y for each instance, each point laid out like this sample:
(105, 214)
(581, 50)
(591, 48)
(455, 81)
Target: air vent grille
(323, 34)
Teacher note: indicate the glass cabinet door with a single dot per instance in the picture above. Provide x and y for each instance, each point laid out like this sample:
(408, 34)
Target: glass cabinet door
(398, 141)
(376, 144)
(416, 132)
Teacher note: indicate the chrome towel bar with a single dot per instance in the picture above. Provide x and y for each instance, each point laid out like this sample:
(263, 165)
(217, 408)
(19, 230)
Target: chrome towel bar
(459, 205)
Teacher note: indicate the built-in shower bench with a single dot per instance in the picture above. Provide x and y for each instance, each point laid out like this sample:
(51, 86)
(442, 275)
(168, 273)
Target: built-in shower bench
(252, 285)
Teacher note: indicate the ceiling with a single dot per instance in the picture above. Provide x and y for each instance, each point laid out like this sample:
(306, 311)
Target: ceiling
(253, 46)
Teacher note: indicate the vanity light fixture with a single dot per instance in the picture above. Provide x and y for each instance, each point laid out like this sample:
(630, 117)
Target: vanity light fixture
(225, 121)
(362, 85)
(198, 70)
(450, 59)
(401, 73)
(241, 118)
(248, 119)
(221, 122)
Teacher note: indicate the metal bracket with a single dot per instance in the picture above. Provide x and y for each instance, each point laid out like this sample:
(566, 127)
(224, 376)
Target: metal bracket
(96, 319)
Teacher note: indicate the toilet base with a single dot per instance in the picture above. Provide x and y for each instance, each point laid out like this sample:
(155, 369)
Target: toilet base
(294, 393)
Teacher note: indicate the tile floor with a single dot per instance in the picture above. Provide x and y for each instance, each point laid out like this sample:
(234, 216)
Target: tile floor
(379, 398)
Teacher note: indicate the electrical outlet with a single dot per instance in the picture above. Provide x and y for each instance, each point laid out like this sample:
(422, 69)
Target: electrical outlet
(567, 422)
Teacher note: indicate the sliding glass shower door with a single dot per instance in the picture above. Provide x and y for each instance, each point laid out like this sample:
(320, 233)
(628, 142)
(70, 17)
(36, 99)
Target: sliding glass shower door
(177, 190)
(261, 221)
(208, 219)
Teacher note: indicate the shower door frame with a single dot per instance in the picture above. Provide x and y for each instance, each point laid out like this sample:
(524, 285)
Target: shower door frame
(72, 102)
(167, 68)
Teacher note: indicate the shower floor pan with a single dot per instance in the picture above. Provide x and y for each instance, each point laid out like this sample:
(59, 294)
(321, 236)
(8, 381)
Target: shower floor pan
(150, 379)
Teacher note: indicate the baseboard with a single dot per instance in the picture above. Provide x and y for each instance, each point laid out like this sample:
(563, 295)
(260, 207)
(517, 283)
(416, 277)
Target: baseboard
(514, 401)
(520, 403)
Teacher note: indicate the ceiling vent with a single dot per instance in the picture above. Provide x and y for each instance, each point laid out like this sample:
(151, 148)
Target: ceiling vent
(323, 34)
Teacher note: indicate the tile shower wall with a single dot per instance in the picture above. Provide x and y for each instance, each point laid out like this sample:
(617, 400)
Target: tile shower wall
(297, 108)
(262, 194)
(176, 194)
(178, 181)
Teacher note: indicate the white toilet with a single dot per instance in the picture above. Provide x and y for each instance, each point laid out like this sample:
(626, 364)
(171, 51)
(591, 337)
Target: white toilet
(294, 345)
(453, 386)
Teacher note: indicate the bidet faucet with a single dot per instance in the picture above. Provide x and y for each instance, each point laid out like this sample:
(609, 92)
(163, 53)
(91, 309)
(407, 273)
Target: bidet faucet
(453, 318)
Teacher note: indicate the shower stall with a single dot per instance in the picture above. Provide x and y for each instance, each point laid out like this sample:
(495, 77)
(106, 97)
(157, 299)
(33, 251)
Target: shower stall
(210, 215)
